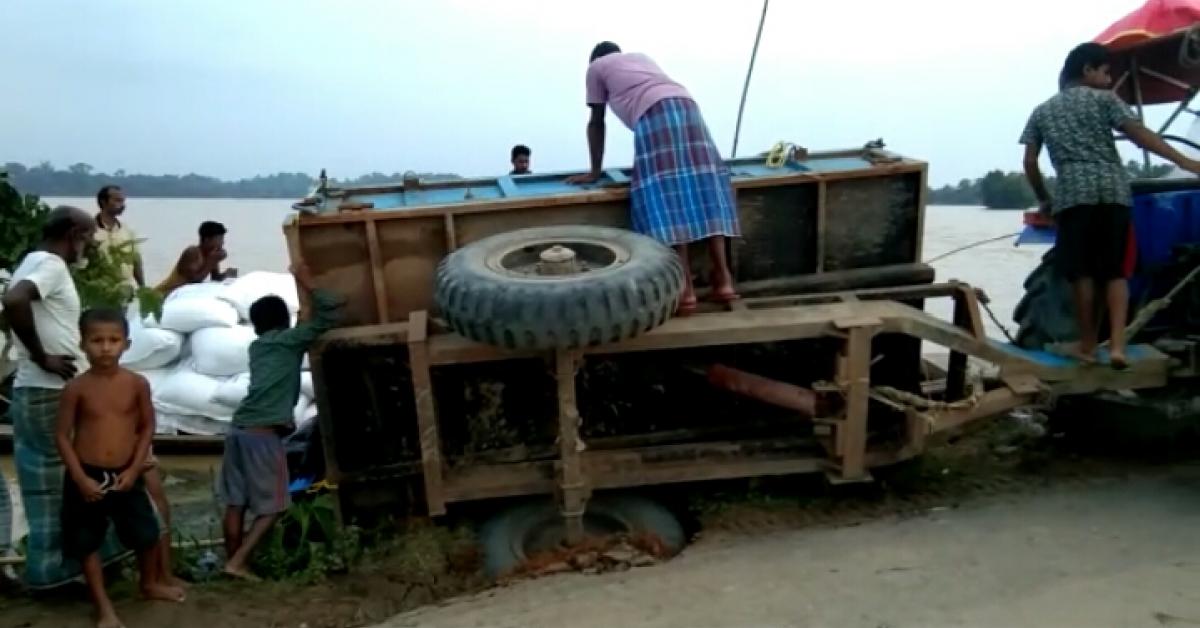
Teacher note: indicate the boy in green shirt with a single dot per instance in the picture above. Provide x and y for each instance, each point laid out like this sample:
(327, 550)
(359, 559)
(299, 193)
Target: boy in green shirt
(254, 473)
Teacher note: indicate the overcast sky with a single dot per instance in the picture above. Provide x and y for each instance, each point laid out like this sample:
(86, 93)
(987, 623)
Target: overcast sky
(238, 88)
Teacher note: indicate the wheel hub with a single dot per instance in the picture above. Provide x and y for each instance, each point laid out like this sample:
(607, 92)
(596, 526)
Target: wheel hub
(557, 260)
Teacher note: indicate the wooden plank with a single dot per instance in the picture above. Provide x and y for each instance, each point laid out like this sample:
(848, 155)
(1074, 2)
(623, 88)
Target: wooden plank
(427, 422)
(822, 196)
(291, 234)
(617, 175)
(855, 379)
(508, 187)
(573, 492)
(387, 333)
(956, 369)
(837, 281)
(922, 201)
(721, 328)
(377, 276)
(333, 472)
(451, 234)
(589, 195)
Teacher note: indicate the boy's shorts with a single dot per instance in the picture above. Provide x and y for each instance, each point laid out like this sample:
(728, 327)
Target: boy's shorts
(85, 524)
(1092, 241)
(254, 471)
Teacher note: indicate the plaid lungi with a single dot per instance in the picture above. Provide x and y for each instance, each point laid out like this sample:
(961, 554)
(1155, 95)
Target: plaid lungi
(40, 472)
(681, 191)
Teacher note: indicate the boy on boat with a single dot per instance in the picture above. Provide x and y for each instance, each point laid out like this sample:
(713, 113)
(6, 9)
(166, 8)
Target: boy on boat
(681, 190)
(105, 423)
(1093, 199)
(254, 475)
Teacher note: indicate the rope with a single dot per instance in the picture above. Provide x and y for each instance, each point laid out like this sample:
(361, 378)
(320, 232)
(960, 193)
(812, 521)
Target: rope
(780, 154)
(996, 321)
(1146, 314)
(737, 131)
(971, 246)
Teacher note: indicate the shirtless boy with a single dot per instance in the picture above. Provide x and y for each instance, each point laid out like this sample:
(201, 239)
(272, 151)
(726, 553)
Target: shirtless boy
(105, 423)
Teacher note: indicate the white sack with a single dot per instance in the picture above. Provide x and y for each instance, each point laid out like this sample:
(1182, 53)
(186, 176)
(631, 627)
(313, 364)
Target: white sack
(244, 291)
(232, 391)
(187, 392)
(221, 351)
(151, 348)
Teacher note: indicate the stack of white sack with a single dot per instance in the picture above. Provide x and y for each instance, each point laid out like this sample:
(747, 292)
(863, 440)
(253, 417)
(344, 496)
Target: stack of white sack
(196, 356)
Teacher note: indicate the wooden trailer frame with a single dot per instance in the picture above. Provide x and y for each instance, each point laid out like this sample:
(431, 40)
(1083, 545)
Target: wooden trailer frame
(391, 256)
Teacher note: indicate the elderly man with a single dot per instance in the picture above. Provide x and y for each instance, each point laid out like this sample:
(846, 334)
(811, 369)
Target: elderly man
(43, 309)
(681, 190)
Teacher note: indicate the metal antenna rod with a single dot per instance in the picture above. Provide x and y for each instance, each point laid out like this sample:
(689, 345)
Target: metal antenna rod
(749, 72)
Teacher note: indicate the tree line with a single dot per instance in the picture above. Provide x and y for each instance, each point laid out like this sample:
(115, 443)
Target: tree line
(1010, 190)
(82, 180)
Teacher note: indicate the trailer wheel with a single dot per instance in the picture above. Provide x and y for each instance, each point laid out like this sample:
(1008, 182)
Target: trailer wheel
(1046, 313)
(510, 537)
(560, 287)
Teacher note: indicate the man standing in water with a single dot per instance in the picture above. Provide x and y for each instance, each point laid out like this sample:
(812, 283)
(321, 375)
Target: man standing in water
(1093, 200)
(43, 309)
(112, 233)
(681, 190)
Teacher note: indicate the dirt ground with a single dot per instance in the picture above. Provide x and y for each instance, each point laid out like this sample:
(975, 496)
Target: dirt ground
(997, 528)
(1119, 553)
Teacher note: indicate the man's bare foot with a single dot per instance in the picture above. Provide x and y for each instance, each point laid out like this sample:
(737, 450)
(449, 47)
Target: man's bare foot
(163, 592)
(241, 573)
(109, 620)
(1118, 361)
(178, 583)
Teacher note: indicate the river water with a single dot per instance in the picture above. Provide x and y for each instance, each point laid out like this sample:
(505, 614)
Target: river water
(255, 241)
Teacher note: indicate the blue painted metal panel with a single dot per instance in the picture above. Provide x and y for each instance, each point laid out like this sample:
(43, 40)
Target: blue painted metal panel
(532, 186)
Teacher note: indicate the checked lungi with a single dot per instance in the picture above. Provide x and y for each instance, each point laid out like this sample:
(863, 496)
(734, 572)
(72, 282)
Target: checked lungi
(681, 189)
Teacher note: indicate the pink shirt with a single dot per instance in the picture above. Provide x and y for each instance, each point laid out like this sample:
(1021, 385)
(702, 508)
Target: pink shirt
(630, 83)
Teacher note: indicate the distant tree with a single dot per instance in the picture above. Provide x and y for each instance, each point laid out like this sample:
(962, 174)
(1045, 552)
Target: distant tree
(1139, 170)
(1000, 190)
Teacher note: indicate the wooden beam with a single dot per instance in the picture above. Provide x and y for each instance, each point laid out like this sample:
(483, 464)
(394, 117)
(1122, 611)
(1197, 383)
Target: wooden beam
(836, 281)
(427, 421)
(822, 198)
(333, 472)
(291, 234)
(451, 233)
(573, 492)
(855, 379)
(378, 280)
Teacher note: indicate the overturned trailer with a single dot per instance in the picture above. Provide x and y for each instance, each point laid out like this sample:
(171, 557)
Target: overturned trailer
(817, 369)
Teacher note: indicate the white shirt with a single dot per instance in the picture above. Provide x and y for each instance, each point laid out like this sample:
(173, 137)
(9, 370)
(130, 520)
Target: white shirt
(55, 317)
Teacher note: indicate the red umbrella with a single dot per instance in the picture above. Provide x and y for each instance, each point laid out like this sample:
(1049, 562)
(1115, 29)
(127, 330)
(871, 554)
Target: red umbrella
(1153, 19)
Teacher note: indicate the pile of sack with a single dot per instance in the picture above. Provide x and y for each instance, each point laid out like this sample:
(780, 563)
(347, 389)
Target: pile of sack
(196, 356)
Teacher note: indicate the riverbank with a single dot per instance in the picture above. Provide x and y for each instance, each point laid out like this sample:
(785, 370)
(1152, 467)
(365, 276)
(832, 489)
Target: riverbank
(1005, 465)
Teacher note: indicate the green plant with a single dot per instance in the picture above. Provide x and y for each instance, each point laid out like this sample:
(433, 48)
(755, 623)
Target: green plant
(101, 281)
(21, 219)
(307, 544)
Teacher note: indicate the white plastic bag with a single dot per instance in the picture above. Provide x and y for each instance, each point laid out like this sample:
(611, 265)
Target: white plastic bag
(221, 351)
(244, 291)
(187, 392)
(306, 385)
(151, 348)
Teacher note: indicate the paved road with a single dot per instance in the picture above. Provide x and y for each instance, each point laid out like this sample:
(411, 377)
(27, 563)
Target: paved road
(1118, 553)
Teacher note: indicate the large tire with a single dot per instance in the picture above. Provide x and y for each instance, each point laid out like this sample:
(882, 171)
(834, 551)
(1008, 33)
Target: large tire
(489, 292)
(1046, 313)
(508, 538)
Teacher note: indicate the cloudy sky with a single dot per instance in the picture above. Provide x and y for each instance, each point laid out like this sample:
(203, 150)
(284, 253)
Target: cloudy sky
(234, 89)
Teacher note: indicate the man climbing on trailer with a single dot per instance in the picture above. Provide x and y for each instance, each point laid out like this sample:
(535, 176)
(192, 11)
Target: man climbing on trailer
(1093, 198)
(681, 190)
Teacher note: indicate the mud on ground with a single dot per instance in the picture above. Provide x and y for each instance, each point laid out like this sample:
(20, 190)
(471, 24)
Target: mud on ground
(423, 564)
